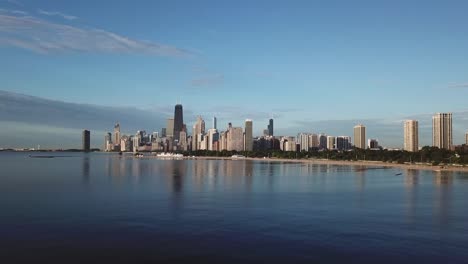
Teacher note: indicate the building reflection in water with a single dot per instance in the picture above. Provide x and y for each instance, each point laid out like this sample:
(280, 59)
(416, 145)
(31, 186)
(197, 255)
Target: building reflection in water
(411, 179)
(86, 168)
(177, 171)
(443, 195)
(360, 177)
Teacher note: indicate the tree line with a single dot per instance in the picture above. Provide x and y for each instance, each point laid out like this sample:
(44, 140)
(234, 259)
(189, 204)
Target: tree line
(431, 155)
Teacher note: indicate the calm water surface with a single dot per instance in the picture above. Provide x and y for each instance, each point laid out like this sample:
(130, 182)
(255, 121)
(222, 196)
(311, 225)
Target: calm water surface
(100, 208)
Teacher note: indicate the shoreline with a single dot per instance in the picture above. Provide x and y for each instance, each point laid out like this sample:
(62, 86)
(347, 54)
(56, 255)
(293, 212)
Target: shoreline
(348, 163)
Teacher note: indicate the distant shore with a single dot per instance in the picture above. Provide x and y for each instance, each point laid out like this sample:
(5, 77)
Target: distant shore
(353, 163)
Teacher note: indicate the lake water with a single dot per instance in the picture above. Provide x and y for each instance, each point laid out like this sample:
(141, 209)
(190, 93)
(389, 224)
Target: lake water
(88, 208)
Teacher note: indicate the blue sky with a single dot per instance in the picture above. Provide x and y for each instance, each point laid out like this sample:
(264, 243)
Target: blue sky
(302, 61)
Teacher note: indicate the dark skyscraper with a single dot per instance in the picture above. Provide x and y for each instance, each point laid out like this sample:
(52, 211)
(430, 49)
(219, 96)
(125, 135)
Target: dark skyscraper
(270, 128)
(86, 140)
(178, 121)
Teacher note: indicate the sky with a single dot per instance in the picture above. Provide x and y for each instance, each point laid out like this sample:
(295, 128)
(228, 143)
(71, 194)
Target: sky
(315, 66)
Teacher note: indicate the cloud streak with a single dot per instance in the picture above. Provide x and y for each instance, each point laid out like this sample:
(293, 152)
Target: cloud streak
(14, 2)
(207, 81)
(59, 14)
(46, 37)
(459, 85)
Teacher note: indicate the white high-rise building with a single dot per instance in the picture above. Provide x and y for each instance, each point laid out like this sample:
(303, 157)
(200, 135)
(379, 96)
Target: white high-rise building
(331, 142)
(411, 136)
(360, 136)
(442, 130)
(198, 131)
(304, 141)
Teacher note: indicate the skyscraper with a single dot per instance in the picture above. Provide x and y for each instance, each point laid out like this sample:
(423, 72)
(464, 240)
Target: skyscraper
(108, 142)
(86, 140)
(178, 121)
(270, 127)
(411, 136)
(331, 140)
(303, 141)
(360, 136)
(117, 134)
(170, 127)
(235, 139)
(442, 130)
(248, 142)
(215, 123)
(197, 132)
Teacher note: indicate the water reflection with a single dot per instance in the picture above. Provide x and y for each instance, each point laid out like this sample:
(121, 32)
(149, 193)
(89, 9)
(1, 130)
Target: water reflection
(411, 179)
(204, 175)
(86, 169)
(443, 199)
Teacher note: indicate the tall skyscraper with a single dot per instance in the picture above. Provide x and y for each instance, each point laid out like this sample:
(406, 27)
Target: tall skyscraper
(411, 136)
(215, 123)
(108, 142)
(303, 141)
(86, 140)
(170, 127)
(197, 132)
(270, 127)
(248, 142)
(235, 139)
(360, 136)
(331, 140)
(117, 134)
(178, 121)
(442, 130)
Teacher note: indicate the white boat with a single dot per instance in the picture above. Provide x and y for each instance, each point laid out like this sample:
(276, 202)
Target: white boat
(238, 157)
(169, 155)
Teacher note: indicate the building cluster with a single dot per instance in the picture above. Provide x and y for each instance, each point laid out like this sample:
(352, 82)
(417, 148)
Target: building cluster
(175, 137)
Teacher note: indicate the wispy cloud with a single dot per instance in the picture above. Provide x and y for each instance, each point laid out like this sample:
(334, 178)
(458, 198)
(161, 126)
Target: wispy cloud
(15, 12)
(19, 12)
(47, 37)
(59, 14)
(459, 85)
(208, 81)
(15, 2)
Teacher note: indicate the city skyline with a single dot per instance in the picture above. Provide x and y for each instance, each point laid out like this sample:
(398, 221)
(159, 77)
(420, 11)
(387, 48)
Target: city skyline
(389, 132)
(388, 62)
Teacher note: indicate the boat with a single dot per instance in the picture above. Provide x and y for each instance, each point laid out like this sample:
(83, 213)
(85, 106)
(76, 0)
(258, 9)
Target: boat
(169, 155)
(238, 157)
